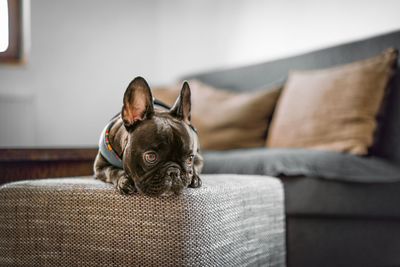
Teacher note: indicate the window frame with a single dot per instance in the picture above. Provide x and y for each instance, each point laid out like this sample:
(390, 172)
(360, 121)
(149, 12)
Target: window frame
(16, 51)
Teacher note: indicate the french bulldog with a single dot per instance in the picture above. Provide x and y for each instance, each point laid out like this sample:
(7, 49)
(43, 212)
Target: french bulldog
(149, 148)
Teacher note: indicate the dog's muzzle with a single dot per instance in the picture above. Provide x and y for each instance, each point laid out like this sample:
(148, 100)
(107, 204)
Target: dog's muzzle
(166, 180)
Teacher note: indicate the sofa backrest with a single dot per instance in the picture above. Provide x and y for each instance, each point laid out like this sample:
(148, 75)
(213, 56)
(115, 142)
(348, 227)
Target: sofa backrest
(253, 77)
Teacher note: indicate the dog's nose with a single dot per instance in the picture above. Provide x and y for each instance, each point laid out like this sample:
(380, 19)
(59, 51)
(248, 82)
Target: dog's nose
(173, 172)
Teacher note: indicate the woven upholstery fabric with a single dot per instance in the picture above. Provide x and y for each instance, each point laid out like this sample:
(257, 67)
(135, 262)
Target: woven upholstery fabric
(232, 220)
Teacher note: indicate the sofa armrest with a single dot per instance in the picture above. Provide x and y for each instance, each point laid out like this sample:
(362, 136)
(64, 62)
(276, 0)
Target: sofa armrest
(232, 220)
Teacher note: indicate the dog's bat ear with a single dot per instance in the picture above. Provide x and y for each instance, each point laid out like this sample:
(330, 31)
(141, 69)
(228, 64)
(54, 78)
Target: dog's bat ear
(138, 102)
(182, 107)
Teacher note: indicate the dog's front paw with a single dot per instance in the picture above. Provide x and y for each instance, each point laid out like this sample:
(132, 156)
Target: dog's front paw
(196, 181)
(125, 186)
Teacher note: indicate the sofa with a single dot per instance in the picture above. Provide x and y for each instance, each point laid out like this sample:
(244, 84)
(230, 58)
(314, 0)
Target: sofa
(339, 209)
(350, 216)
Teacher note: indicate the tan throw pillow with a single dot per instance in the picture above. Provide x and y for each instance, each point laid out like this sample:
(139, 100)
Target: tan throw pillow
(332, 109)
(224, 119)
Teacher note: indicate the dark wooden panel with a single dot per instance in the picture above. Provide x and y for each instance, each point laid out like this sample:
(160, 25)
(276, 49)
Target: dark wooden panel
(46, 154)
(23, 164)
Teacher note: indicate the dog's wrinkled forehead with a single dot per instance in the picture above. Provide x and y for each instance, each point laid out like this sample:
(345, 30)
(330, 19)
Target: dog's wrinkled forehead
(163, 131)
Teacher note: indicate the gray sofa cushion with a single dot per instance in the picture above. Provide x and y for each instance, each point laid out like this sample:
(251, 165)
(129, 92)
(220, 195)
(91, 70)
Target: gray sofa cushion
(302, 162)
(317, 197)
(339, 195)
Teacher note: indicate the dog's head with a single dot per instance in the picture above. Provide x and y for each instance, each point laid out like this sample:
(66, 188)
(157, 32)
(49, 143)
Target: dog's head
(162, 148)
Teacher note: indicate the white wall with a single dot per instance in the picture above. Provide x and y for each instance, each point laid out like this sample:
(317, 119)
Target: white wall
(84, 53)
(198, 35)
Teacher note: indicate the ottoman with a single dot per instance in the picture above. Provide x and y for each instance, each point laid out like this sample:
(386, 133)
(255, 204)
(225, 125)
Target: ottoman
(232, 220)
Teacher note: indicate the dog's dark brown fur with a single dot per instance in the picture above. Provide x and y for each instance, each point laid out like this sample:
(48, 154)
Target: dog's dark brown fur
(142, 128)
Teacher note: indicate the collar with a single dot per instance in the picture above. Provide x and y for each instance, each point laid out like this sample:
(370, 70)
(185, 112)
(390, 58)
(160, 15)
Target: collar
(105, 148)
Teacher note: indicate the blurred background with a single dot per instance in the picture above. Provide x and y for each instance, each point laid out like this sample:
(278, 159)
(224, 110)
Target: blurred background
(82, 54)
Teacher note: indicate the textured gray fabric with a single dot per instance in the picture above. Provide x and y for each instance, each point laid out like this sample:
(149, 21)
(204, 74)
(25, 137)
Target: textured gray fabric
(301, 162)
(231, 220)
(344, 242)
(254, 76)
(314, 197)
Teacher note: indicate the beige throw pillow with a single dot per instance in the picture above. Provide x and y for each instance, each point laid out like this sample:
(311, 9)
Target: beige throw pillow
(332, 109)
(224, 119)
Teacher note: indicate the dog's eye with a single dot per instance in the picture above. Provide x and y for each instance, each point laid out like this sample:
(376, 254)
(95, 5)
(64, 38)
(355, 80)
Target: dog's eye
(150, 157)
(189, 160)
